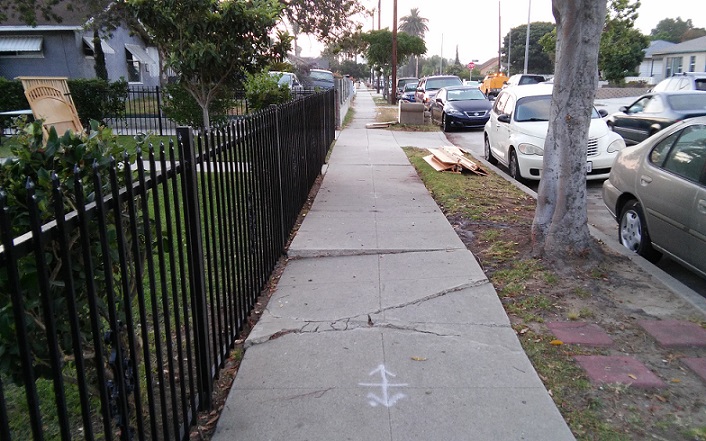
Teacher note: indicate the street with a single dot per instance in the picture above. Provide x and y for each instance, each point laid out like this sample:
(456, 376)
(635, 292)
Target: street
(471, 141)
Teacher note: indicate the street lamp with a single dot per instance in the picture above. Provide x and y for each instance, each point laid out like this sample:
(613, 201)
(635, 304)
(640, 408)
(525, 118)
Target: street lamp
(529, 9)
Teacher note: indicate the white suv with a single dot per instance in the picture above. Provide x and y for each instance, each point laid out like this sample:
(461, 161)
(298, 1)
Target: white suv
(517, 129)
(682, 81)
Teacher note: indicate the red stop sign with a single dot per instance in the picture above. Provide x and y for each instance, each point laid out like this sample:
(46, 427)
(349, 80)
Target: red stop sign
(471, 65)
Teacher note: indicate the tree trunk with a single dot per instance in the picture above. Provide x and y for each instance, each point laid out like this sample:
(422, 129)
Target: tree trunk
(99, 57)
(560, 226)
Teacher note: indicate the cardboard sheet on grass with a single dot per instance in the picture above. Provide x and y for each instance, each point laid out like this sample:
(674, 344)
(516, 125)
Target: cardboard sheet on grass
(451, 158)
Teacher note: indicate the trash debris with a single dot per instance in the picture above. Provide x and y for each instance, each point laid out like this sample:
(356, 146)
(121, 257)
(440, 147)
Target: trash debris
(451, 158)
(380, 125)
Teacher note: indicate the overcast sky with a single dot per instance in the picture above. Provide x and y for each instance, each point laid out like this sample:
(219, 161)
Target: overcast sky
(473, 24)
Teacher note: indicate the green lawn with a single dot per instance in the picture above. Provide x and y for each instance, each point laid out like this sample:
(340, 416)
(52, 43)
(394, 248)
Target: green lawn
(127, 141)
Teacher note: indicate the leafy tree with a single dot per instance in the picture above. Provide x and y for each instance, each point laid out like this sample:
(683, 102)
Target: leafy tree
(622, 46)
(213, 44)
(539, 60)
(328, 20)
(378, 50)
(676, 30)
(693, 33)
(560, 226)
(621, 49)
(28, 10)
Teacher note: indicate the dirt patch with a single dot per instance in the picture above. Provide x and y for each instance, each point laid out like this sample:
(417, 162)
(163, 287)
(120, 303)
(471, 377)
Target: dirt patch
(613, 294)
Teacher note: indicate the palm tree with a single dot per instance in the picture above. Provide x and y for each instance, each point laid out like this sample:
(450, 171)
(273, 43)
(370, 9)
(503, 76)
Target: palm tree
(416, 25)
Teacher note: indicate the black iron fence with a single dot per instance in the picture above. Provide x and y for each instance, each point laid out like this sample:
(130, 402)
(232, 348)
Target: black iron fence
(144, 109)
(119, 314)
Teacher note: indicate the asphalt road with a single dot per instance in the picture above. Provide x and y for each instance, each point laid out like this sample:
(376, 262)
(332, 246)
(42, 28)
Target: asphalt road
(471, 141)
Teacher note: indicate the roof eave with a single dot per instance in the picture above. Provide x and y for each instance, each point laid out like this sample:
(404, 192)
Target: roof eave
(43, 28)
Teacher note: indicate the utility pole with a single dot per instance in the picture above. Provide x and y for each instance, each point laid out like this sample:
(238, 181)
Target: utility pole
(500, 61)
(393, 92)
(529, 10)
(441, 57)
(379, 11)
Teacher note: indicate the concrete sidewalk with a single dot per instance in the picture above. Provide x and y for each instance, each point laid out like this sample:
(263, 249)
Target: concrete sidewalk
(383, 325)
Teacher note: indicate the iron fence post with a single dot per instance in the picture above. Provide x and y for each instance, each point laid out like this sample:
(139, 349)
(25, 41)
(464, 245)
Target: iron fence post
(196, 266)
(159, 112)
(278, 146)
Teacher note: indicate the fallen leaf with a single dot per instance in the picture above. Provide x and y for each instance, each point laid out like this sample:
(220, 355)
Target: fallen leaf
(524, 331)
(632, 376)
(419, 358)
(661, 398)
(676, 380)
(556, 342)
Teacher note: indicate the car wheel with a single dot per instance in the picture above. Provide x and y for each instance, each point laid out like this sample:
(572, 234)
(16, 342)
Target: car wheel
(488, 154)
(633, 234)
(445, 125)
(514, 167)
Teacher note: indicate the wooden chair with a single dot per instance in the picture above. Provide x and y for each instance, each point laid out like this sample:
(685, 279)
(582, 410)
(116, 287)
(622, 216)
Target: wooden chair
(50, 100)
(49, 104)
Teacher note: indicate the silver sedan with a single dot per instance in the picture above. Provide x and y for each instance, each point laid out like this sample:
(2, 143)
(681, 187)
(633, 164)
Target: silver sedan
(657, 192)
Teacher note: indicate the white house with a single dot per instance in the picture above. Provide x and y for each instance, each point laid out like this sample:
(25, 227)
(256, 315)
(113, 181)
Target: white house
(651, 69)
(687, 56)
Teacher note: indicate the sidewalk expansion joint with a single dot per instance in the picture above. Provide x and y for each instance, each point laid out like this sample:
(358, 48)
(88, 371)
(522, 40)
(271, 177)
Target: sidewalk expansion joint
(317, 254)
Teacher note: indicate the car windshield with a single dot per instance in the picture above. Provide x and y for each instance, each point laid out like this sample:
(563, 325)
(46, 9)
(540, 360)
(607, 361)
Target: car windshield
(695, 101)
(438, 83)
(284, 78)
(322, 76)
(410, 87)
(536, 108)
(464, 94)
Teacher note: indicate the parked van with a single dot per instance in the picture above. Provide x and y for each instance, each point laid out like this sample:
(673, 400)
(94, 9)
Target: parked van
(320, 78)
(493, 83)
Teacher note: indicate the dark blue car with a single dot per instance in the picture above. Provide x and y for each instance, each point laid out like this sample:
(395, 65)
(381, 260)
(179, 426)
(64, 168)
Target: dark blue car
(460, 107)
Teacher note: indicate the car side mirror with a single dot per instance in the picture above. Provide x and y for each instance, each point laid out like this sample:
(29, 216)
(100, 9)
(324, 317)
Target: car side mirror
(623, 109)
(438, 100)
(504, 118)
(603, 113)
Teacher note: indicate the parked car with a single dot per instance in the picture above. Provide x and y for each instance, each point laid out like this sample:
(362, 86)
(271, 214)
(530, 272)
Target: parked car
(402, 82)
(288, 79)
(515, 133)
(460, 107)
(473, 83)
(320, 78)
(682, 81)
(410, 89)
(524, 79)
(657, 193)
(428, 86)
(653, 112)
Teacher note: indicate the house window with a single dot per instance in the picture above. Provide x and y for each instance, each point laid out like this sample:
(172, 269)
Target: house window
(674, 66)
(21, 46)
(692, 64)
(89, 49)
(134, 68)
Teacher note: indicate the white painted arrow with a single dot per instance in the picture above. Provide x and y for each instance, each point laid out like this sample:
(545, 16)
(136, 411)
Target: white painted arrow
(386, 400)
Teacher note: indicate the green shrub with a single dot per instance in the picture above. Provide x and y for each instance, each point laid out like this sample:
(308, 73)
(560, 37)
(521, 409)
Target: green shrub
(262, 90)
(98, 99)
(182, 108)
(12, 97)
(37, 160)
